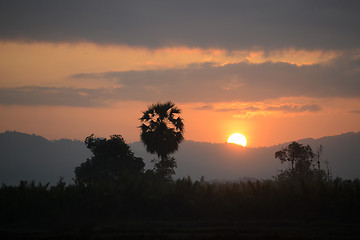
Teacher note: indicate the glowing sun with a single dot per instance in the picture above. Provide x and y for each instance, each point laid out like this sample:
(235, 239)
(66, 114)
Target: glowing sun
(238, 139)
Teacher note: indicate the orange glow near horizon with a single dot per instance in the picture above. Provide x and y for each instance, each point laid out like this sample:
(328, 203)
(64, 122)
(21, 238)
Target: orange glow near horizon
(202, 126)
(263, 129)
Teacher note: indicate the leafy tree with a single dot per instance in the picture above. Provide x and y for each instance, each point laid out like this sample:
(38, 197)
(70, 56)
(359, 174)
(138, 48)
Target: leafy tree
(304, 163)
(161, 132)
(111, 159)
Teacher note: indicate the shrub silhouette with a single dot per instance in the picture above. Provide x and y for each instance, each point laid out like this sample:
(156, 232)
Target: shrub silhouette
(304, 164)
(111, 160)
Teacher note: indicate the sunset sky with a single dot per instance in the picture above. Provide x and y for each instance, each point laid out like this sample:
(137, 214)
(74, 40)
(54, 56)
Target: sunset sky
(275, 71)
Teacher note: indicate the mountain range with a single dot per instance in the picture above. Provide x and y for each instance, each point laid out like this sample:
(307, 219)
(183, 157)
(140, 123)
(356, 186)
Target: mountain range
(31, 157)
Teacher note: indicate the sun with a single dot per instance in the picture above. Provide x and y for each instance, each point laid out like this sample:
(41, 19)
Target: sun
(237, 138)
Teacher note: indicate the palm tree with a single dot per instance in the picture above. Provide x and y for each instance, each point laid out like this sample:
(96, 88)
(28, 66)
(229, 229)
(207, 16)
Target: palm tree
(161, 132)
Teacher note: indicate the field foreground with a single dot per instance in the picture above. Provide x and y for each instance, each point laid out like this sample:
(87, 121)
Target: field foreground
(242, 229)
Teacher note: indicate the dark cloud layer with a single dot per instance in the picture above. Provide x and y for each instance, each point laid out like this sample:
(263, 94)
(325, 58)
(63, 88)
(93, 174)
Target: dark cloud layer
(240, 82)
(53, 96)
(325, 24)
(286, 108)
(205, 83)
(294, 108)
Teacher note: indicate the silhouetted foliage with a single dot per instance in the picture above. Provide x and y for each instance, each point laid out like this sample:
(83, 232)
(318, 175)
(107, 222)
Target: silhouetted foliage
(304, 164)
(111, 187)
(184, 199)
(162, 131)
(111, 159)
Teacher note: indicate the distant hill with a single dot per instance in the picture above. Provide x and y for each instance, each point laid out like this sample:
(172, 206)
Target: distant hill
(28, 157)
(32, 157)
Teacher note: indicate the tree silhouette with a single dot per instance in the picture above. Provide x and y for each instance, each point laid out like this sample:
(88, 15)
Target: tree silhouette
(161, 132)
(111, 160)
(304, 163)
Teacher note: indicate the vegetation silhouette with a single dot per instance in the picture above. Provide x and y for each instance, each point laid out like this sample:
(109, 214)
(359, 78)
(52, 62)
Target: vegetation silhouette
(111, 187)
(161, 132)
(111, 160)
(304, 163)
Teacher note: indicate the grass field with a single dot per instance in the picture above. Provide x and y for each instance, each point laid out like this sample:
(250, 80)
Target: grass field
(242, 229)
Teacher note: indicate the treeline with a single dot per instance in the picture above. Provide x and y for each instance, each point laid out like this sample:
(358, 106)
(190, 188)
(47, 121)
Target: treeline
(148, 198)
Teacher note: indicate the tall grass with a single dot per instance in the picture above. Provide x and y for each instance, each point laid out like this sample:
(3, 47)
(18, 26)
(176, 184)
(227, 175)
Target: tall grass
(147, 198)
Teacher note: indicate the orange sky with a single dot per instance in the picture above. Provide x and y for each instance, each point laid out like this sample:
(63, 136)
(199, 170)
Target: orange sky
(264, 123)
(77, 123)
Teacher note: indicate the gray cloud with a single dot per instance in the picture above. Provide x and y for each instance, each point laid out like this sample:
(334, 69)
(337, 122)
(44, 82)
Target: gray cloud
(229, 24)
(205, 107)
(286, 108)
(294, 108)
(54, 96)
(241, 81)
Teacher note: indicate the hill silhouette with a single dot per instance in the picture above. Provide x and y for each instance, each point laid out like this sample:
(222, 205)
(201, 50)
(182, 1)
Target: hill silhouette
(31, 157)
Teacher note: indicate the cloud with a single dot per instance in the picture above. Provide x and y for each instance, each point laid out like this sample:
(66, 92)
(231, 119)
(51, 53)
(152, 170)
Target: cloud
(206, 83)
(54, 96)
(300, 24)
(294, 108)
(241, 81)
(250, 109)
(204, 107)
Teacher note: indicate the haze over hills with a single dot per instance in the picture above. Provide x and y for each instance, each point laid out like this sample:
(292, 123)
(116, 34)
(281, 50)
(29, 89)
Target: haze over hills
(32, 157)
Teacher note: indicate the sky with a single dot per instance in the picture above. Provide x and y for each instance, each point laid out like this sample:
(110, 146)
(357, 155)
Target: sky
(275, 71)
